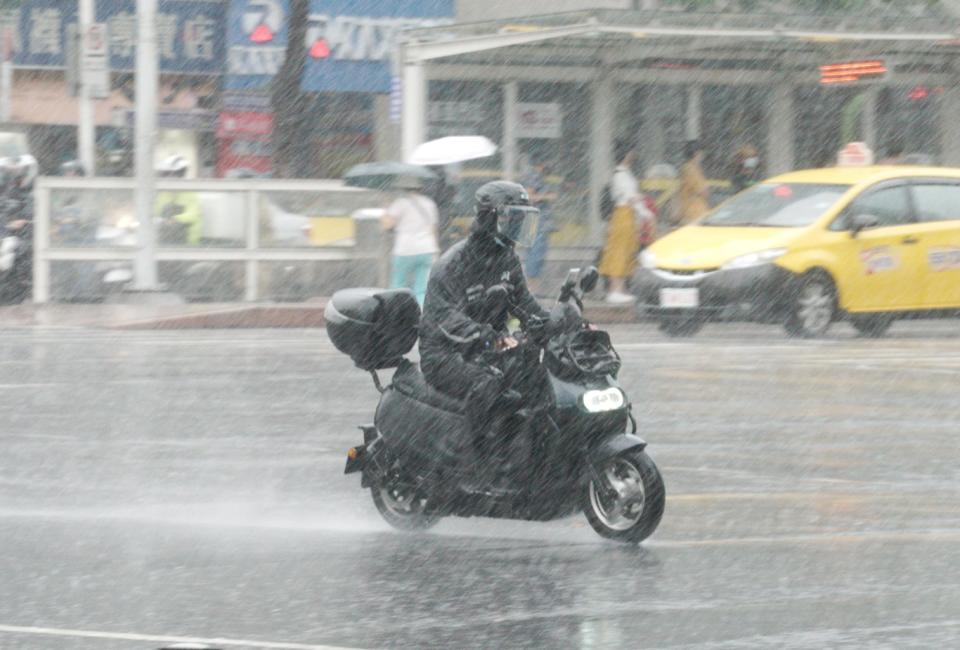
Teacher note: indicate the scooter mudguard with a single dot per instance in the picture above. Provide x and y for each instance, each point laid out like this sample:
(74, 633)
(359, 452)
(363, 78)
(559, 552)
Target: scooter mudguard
(614, 446)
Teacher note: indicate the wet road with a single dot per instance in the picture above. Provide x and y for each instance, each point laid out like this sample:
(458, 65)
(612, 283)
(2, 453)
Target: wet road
(188, 484)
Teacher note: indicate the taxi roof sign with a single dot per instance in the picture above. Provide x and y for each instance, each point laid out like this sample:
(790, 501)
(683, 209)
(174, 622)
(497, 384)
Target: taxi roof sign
(855, 154)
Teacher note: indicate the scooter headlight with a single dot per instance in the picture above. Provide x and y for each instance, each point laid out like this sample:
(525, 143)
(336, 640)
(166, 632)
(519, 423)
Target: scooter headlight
(599, 401)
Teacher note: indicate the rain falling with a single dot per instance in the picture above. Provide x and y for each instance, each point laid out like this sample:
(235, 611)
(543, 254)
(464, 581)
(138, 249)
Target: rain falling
(587, 324)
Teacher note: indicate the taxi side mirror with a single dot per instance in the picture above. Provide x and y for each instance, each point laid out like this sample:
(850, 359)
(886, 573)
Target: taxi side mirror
(861, 222)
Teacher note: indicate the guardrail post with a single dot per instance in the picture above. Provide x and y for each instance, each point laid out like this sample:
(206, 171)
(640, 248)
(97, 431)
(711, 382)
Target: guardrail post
(252, 265)
(41, 243)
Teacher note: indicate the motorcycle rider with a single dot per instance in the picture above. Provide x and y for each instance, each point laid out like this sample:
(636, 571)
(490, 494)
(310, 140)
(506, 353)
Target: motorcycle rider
(16, 226)
(457, 326)
(179, 212)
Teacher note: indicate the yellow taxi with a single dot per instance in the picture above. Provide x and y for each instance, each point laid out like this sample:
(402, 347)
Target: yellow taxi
(869, 244)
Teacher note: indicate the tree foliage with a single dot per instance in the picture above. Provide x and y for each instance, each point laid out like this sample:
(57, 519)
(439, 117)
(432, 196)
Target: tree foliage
(290, 103)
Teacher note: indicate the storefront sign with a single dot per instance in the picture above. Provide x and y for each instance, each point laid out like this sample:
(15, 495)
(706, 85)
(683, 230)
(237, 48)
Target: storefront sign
(233, 124)
(257, 37)
(243, 100)
(95, 62)
(351, 45)
(188, 33)
(539, 120)
(195, 120)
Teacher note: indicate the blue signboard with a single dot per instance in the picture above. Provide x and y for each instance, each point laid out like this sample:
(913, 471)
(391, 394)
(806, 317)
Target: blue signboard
(257, 42)
(351, 43)
(189, 33)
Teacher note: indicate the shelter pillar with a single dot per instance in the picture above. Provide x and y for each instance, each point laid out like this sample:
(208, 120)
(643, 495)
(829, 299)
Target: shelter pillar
(386, 139)
(413, 117)
(602, 116)
(780, 130)
(949, 131)
(510, 90)
(653, 133)
(694, 112)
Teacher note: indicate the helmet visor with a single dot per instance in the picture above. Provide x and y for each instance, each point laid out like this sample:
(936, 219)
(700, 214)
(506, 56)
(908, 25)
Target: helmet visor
(518, 223)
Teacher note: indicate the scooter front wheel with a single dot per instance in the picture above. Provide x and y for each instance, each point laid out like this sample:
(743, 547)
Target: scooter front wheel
(402, 507)
(624, 501)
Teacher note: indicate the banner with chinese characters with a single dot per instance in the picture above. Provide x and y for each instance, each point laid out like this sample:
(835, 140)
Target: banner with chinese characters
(189, 33)
(351, 44)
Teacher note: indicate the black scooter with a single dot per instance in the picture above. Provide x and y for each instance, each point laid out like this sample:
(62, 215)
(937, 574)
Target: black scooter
(577, 454)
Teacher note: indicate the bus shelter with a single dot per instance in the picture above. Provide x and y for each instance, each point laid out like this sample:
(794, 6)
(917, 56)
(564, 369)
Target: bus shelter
(572, 84)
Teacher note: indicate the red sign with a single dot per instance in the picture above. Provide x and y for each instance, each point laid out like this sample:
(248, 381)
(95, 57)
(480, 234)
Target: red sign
(852, 71)
(244, 142)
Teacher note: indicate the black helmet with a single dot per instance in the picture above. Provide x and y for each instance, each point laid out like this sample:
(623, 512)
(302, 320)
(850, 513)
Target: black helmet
(503, 209)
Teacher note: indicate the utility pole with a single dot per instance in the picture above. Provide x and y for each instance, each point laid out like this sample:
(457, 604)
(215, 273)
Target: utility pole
(145, 267)
(86, 125)
(6, 75)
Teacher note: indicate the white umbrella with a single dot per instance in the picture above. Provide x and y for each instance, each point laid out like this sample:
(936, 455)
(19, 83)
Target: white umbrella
(453, 149)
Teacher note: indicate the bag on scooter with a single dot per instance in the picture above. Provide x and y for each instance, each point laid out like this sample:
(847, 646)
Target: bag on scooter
(374, 327)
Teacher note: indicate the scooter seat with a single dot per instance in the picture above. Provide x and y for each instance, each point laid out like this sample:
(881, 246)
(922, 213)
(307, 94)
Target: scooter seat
(409, 380)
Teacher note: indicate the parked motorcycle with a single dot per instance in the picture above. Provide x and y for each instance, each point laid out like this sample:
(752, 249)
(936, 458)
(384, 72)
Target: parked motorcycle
(574, 453)
(16, 249)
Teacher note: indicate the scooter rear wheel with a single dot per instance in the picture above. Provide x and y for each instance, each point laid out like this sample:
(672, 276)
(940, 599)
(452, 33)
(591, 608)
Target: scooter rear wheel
(401, 507)
(625, 502)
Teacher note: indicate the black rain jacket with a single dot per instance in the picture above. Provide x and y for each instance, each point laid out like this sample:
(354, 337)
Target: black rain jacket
(455, 319)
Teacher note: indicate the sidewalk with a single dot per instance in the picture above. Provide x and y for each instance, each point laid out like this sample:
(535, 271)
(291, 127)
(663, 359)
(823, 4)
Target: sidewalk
(211, 315)
(189, 316)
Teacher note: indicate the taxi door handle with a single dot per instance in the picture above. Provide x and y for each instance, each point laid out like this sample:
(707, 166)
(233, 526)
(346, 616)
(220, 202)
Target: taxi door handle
(909, 240)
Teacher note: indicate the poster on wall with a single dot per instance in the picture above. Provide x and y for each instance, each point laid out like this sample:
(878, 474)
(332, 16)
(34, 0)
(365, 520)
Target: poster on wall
(455, 118)
(539, 120)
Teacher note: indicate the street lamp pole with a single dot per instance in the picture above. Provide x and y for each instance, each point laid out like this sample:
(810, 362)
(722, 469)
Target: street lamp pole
(86, 129)
(145, 267)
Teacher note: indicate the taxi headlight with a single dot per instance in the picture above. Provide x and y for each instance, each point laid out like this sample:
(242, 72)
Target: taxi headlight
(754, 259)
(598, 401)
(648, 260)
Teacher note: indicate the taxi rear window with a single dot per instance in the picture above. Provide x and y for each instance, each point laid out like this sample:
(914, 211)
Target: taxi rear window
(777, 205)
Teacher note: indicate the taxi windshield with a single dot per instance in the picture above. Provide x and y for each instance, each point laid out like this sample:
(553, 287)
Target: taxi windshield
(777, 205)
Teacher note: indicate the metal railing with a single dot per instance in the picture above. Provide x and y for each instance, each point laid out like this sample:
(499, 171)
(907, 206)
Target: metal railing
(246, 222)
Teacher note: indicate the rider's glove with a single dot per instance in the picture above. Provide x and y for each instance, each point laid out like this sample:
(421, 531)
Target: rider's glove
(488, 336)
(537, 328)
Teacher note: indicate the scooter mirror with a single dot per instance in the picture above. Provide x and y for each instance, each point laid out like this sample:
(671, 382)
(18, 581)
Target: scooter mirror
(589, 279)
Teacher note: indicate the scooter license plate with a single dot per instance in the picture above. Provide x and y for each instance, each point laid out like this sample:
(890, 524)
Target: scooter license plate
(680, 298)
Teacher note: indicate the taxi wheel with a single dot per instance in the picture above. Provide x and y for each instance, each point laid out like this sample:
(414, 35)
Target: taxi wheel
(873, 326)
(813, 308)
(680, 327)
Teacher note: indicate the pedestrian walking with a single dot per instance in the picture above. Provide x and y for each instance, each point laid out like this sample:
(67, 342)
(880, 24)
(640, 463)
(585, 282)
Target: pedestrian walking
(413, 219)
(745, 168)
(543, 195)
(693, 192)
(619, 257)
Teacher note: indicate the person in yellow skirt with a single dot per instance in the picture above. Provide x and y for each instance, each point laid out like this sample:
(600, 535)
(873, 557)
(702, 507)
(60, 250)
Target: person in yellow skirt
(694, 193)
(619, 258)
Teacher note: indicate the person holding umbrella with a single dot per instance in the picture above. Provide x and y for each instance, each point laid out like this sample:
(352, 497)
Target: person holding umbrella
(413, 219)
